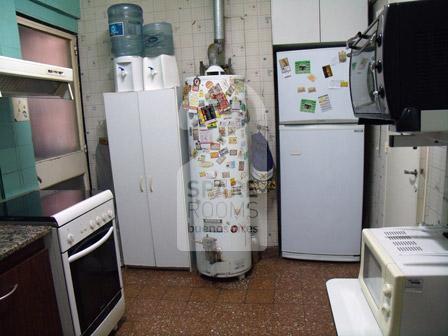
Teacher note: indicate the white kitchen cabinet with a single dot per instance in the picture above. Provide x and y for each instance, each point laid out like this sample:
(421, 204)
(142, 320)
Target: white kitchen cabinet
(145, 140)
(311, 21)
(295, 21)
(342, 19)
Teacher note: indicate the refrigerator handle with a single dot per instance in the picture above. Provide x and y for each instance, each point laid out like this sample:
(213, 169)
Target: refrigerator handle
(151, 189)
(141, 184)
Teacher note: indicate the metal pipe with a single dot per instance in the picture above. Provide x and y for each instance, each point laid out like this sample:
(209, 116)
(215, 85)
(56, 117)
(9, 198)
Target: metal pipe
(218, 16)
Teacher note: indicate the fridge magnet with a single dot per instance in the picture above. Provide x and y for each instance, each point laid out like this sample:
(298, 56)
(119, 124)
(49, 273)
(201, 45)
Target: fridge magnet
(208, 85)
(233, 181)
(233, 152)
(202, 173)
(231, 130)
(194, 152)
(308, 105)
(311, 77)
(205, 164)
(241, 166)
(221, 159)
(324, 103)
(230, 90)
(301, 89)
(303, 67)
(342, 56)
(225, 174)
(236, 104)
(222, 131)
(236, 191)
(231, 165)
(285, 68)
(205, 136)
(337, 84)
(207, 116)
(215, 146)
(214, 155)
(211, 174)
(201, 158)
(223, 151)
(219, 184)
(194, 101)
(311, 89)
(327, 71)
(233, 140)
(196, 84)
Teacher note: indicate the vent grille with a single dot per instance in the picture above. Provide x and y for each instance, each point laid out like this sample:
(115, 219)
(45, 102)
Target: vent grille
(402, 241)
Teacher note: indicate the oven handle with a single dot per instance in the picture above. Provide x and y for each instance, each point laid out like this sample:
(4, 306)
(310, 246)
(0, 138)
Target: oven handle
(91, 248)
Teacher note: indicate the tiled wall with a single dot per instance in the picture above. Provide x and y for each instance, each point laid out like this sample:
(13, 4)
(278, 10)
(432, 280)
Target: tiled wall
(17, 166)
(248, 42)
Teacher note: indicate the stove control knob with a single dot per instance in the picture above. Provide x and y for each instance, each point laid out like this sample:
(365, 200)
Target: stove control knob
(385, 308)
(110, 213)
(92, 224)
(98, 220)
(70, 238)
(387, 290)
(105, 217)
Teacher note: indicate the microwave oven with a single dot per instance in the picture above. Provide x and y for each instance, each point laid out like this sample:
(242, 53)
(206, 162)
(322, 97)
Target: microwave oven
(399, 68)
(404, 278)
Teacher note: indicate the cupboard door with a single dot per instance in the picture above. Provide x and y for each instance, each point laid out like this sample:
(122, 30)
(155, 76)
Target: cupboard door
(295, 21)
(163, 162)
(30, 308)
(342, 19)
(125, 143)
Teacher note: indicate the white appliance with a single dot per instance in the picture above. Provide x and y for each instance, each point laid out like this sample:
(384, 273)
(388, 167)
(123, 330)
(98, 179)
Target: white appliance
(216, 110)
(20, 78)
(128, 73)
(160, 72)
(84, 255)
(404, 278)
(148, 151)
(321, 155)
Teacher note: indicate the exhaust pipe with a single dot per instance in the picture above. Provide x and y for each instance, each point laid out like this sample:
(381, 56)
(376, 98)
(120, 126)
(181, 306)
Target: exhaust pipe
(216, 50)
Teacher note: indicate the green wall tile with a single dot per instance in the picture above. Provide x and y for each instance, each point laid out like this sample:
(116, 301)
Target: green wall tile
(8, 160)
(30, 182)
(5, 111)
(12, 184)
(22, 133)
(6, 136)
(47, 14)
(25, 156)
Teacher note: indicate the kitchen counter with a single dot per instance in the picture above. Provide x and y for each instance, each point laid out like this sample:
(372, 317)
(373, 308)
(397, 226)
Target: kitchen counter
(15, 237)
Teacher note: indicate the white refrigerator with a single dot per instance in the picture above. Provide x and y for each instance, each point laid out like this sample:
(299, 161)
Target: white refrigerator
(321, 156)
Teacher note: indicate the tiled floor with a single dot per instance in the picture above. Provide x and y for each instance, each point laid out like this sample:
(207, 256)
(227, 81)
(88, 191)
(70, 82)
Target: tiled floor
(279, 297)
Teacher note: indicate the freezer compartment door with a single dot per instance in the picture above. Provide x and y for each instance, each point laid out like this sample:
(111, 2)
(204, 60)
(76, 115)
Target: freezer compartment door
(321, 189)
(313, 87)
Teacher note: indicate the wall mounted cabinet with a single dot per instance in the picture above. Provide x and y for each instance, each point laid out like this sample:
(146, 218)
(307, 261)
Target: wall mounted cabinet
(311, 21)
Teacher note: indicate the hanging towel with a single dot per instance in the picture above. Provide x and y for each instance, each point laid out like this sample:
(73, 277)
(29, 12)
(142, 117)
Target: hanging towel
(262, 163)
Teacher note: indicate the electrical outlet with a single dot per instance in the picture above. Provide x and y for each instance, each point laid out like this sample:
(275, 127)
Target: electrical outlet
(20, 107)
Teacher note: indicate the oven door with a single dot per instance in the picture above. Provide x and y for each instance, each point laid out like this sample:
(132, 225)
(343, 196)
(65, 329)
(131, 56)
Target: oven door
(95, 276)
(367, 96)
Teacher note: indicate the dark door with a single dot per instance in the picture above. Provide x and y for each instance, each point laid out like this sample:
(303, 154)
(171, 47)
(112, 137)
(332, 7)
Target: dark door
(95, 277)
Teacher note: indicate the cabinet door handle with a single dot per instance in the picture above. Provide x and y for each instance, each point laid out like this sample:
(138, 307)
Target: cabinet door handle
(141, 184)
(11, 292)
(151, 189)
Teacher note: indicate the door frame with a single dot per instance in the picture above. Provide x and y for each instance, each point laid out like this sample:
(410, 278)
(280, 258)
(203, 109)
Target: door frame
(72, 164)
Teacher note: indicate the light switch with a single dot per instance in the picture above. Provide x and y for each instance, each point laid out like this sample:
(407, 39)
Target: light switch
(20, 107)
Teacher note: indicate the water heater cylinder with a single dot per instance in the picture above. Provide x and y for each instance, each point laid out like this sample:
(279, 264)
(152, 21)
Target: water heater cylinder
(219, 205)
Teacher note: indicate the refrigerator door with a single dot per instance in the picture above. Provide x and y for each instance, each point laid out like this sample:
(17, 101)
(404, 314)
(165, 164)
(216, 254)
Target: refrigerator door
(316, 87)
(321, 191)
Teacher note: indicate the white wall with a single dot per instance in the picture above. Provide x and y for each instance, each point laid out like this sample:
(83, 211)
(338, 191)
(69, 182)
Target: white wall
(248, 42)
